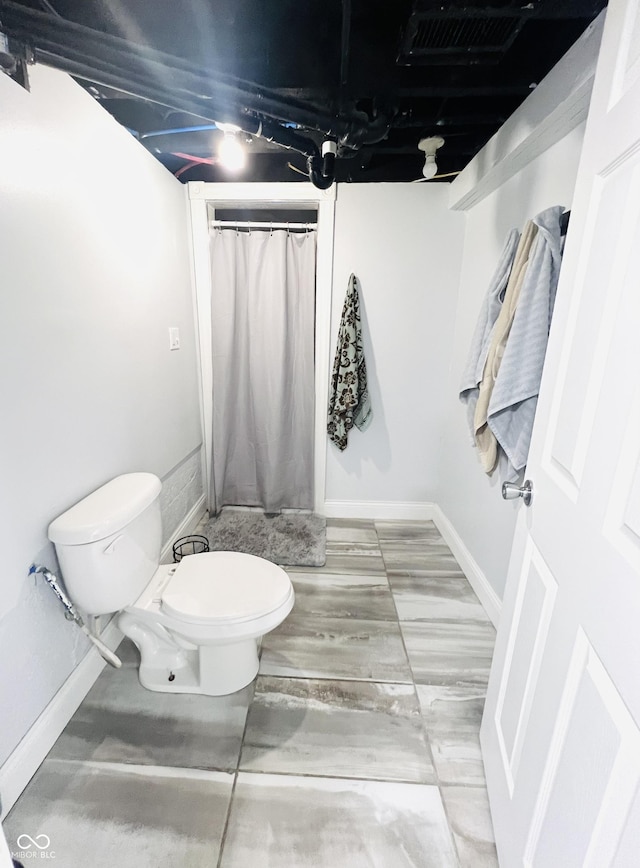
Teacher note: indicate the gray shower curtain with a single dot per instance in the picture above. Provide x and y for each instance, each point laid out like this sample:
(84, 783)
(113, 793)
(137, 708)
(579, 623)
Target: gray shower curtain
(262, 336)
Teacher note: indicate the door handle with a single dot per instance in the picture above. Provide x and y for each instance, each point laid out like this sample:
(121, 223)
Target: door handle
(510, 491)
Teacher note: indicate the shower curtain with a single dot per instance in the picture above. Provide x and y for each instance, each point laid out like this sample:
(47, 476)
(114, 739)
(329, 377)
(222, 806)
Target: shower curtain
(262, 336)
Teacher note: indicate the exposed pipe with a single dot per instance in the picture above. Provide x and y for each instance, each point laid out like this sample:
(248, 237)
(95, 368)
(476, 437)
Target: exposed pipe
(193, 129)
(322, 168)
(72, 614)
(255, 126)
(361, 133)
(137, 69)
(175, 83)
(208, 160)
(176, 130)
(186, 168)
(191, 162)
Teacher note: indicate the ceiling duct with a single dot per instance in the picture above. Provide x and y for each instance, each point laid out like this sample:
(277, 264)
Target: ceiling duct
(449, 36)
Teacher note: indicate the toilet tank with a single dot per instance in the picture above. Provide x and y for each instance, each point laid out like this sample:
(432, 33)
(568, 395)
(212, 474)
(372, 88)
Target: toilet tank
(108, 544)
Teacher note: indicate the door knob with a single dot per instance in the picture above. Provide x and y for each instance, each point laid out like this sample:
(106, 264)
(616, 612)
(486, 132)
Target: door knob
(510, 491)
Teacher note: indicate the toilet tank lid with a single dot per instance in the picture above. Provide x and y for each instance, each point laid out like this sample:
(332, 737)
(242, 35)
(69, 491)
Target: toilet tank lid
(106, 510)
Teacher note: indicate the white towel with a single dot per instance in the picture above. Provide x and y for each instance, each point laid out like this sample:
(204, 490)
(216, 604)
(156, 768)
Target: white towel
(515, 392)
(485, 438)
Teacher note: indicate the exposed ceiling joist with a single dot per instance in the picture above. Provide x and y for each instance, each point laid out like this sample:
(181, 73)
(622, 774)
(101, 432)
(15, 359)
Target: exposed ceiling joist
(300, 74)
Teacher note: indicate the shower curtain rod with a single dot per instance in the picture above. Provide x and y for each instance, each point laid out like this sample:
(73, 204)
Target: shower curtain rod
(248, 225)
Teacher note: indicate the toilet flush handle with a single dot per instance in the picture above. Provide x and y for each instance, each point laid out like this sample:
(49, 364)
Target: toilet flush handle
(112, 545)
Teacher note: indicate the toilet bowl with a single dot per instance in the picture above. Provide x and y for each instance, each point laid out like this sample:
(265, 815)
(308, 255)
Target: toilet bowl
(197, 624)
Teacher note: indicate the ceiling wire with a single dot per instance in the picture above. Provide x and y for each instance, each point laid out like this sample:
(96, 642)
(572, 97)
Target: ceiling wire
(191, 162)
(417, 180)
(444, 175)
(185, 168)
(296, 169)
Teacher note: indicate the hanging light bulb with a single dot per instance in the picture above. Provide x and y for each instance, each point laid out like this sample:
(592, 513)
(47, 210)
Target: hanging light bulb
(430, 167)
(430, 145)
(231, 154)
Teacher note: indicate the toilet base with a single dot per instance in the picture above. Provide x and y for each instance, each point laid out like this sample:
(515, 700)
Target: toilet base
(167, 666)
(214, 670)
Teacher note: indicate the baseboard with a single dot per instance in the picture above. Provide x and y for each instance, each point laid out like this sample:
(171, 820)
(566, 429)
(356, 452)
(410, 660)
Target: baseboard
(477, 579)
(186, 526)
(424, 511)
(22, 764)
(390, 510)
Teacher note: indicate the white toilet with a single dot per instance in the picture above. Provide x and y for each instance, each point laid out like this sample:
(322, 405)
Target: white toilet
(196, 623)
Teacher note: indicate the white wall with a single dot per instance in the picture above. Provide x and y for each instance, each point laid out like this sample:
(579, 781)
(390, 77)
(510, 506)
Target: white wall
(404, 245)
(529, 164)
(469, 499)
(94, 259)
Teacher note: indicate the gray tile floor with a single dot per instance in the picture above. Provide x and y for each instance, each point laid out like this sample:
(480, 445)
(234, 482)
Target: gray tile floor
(356, 746)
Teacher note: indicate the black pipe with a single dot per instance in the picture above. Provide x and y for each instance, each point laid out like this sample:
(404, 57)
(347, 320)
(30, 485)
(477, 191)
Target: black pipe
(58, 41)
(371, 133)
(105, 75)
(315, 166)
(286, 138)
(173, 82)
(260, 127)
(329, 165)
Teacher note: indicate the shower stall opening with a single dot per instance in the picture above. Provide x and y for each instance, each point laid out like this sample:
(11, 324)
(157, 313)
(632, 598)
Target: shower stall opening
(262, 339)
(262, 270)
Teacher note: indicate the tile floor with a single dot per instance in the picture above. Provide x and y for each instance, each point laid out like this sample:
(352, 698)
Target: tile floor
(357, 745)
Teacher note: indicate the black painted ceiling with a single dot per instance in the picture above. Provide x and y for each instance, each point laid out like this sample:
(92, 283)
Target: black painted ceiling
(375, 75)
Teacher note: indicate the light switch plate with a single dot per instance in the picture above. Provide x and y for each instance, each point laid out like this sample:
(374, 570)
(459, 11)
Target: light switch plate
(174, 338)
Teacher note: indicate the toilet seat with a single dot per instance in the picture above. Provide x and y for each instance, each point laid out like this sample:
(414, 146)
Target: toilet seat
(223, 588)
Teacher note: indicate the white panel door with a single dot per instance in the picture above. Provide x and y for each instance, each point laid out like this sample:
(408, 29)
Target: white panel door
(5, 857)
(560, 734)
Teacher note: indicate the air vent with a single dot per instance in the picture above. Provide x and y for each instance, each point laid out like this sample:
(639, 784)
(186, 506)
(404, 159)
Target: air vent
(453, 37)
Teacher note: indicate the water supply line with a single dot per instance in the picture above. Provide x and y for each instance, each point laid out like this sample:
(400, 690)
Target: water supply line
(210, 96)
(71, 614)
